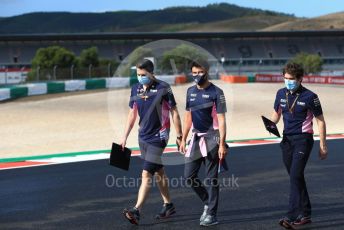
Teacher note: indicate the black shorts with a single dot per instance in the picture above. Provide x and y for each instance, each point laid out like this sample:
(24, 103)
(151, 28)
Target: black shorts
(151, 154)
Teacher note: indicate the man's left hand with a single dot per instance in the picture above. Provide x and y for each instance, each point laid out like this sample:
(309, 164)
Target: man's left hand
(222, 151)
(323, 151)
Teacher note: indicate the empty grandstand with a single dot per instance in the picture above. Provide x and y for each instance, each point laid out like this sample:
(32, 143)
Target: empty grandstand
(237, 51)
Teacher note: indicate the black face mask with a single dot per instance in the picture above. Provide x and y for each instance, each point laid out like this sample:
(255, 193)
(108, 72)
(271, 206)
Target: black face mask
(199, 79)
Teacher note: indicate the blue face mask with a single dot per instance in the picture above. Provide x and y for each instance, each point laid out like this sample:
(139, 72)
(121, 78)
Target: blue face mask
(291, 84)
(144, 80)
(199, 79)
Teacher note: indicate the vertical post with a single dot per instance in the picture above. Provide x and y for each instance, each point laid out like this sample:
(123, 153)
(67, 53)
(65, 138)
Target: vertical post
(90, 71)
(6, 70)
(259, 65)
(37, 73)
(109, 70)
(72, 72)
(239, 70)
(223, 59)
(21, 74)
(54, 72)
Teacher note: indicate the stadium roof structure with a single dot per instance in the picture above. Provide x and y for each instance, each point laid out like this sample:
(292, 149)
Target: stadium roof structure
(165, 35)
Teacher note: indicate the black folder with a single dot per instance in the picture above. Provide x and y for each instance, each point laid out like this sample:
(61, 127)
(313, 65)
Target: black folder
(223, 167)
(271, 126)
(120, 158)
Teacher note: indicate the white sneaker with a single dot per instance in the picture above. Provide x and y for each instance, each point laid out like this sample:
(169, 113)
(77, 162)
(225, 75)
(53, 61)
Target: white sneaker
(204, 214)
(209, 220)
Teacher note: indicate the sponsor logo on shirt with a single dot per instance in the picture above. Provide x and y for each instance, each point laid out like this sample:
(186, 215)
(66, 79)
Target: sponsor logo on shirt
(301, 103)
(205, 96)
(192, 99)
(283, 100)
(222, 99)
(283, 105)
(154, 90)
(193, 95)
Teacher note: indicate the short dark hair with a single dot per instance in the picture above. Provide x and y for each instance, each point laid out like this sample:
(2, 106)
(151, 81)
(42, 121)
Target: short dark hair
(146, 64)
(200, 63)
(294, 69)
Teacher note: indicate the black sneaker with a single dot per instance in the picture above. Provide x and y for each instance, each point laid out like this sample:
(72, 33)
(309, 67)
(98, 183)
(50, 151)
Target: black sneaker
(166, 211)
(302, 220)
(286, 223)
(133, 215)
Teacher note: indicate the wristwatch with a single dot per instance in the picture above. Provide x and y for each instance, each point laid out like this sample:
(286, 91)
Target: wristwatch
(179, 137)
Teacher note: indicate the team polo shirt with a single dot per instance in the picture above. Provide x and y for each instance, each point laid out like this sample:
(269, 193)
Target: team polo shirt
(306, 107)
(204, 105)
(153, 106)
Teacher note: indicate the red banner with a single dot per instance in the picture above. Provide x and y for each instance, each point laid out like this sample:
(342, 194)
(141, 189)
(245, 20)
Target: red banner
(306, 79)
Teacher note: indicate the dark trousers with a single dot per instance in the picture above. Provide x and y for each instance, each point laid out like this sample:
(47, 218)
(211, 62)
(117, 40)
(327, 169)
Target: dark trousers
(208, 191)
(296, 150)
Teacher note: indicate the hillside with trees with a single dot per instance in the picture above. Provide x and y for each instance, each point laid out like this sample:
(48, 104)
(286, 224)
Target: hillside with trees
(225, 16)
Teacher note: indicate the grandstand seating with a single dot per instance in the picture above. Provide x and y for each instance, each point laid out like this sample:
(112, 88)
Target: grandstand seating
(254, 51)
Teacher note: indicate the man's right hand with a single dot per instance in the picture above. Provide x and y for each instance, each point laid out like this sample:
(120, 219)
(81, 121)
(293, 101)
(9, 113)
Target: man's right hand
(182, 147)
(123, 143)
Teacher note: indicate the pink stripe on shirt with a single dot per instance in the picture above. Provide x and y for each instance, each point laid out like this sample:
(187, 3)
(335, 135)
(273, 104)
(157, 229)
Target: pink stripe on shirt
(307, 125)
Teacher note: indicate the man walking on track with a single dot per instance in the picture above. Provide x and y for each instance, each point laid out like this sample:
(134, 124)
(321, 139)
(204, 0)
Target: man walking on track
(298, 106)
(153, 101)
(205, 115)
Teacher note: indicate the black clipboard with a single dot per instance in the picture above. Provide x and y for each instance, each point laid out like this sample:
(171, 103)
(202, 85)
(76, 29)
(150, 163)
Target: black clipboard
(271, 126)
(120, 158)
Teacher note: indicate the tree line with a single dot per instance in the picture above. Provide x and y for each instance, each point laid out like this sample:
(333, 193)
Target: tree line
(55, 62)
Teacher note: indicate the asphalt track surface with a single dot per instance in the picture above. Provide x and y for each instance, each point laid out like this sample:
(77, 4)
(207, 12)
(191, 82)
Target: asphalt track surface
(77, 196)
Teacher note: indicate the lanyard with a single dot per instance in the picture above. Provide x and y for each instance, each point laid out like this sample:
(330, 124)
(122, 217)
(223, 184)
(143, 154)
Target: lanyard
(291, 109)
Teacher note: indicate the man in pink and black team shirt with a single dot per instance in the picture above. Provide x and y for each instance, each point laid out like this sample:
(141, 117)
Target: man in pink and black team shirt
(205, 115)
(298, 106)
(153, 101)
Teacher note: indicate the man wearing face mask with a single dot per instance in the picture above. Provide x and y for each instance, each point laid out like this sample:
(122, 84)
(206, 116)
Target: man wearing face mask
(205, 114)
(298, 106)
(152, 100)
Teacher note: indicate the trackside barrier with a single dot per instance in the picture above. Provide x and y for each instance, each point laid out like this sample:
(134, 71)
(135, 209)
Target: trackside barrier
(270, 78)
(37, 89)
(75, 85)
(56, 87)
(180, 79)
(234, 79)
(5, 94)
(170, 79)
(15, 92)
(238, 79)
(95, 84)
(19, 91)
